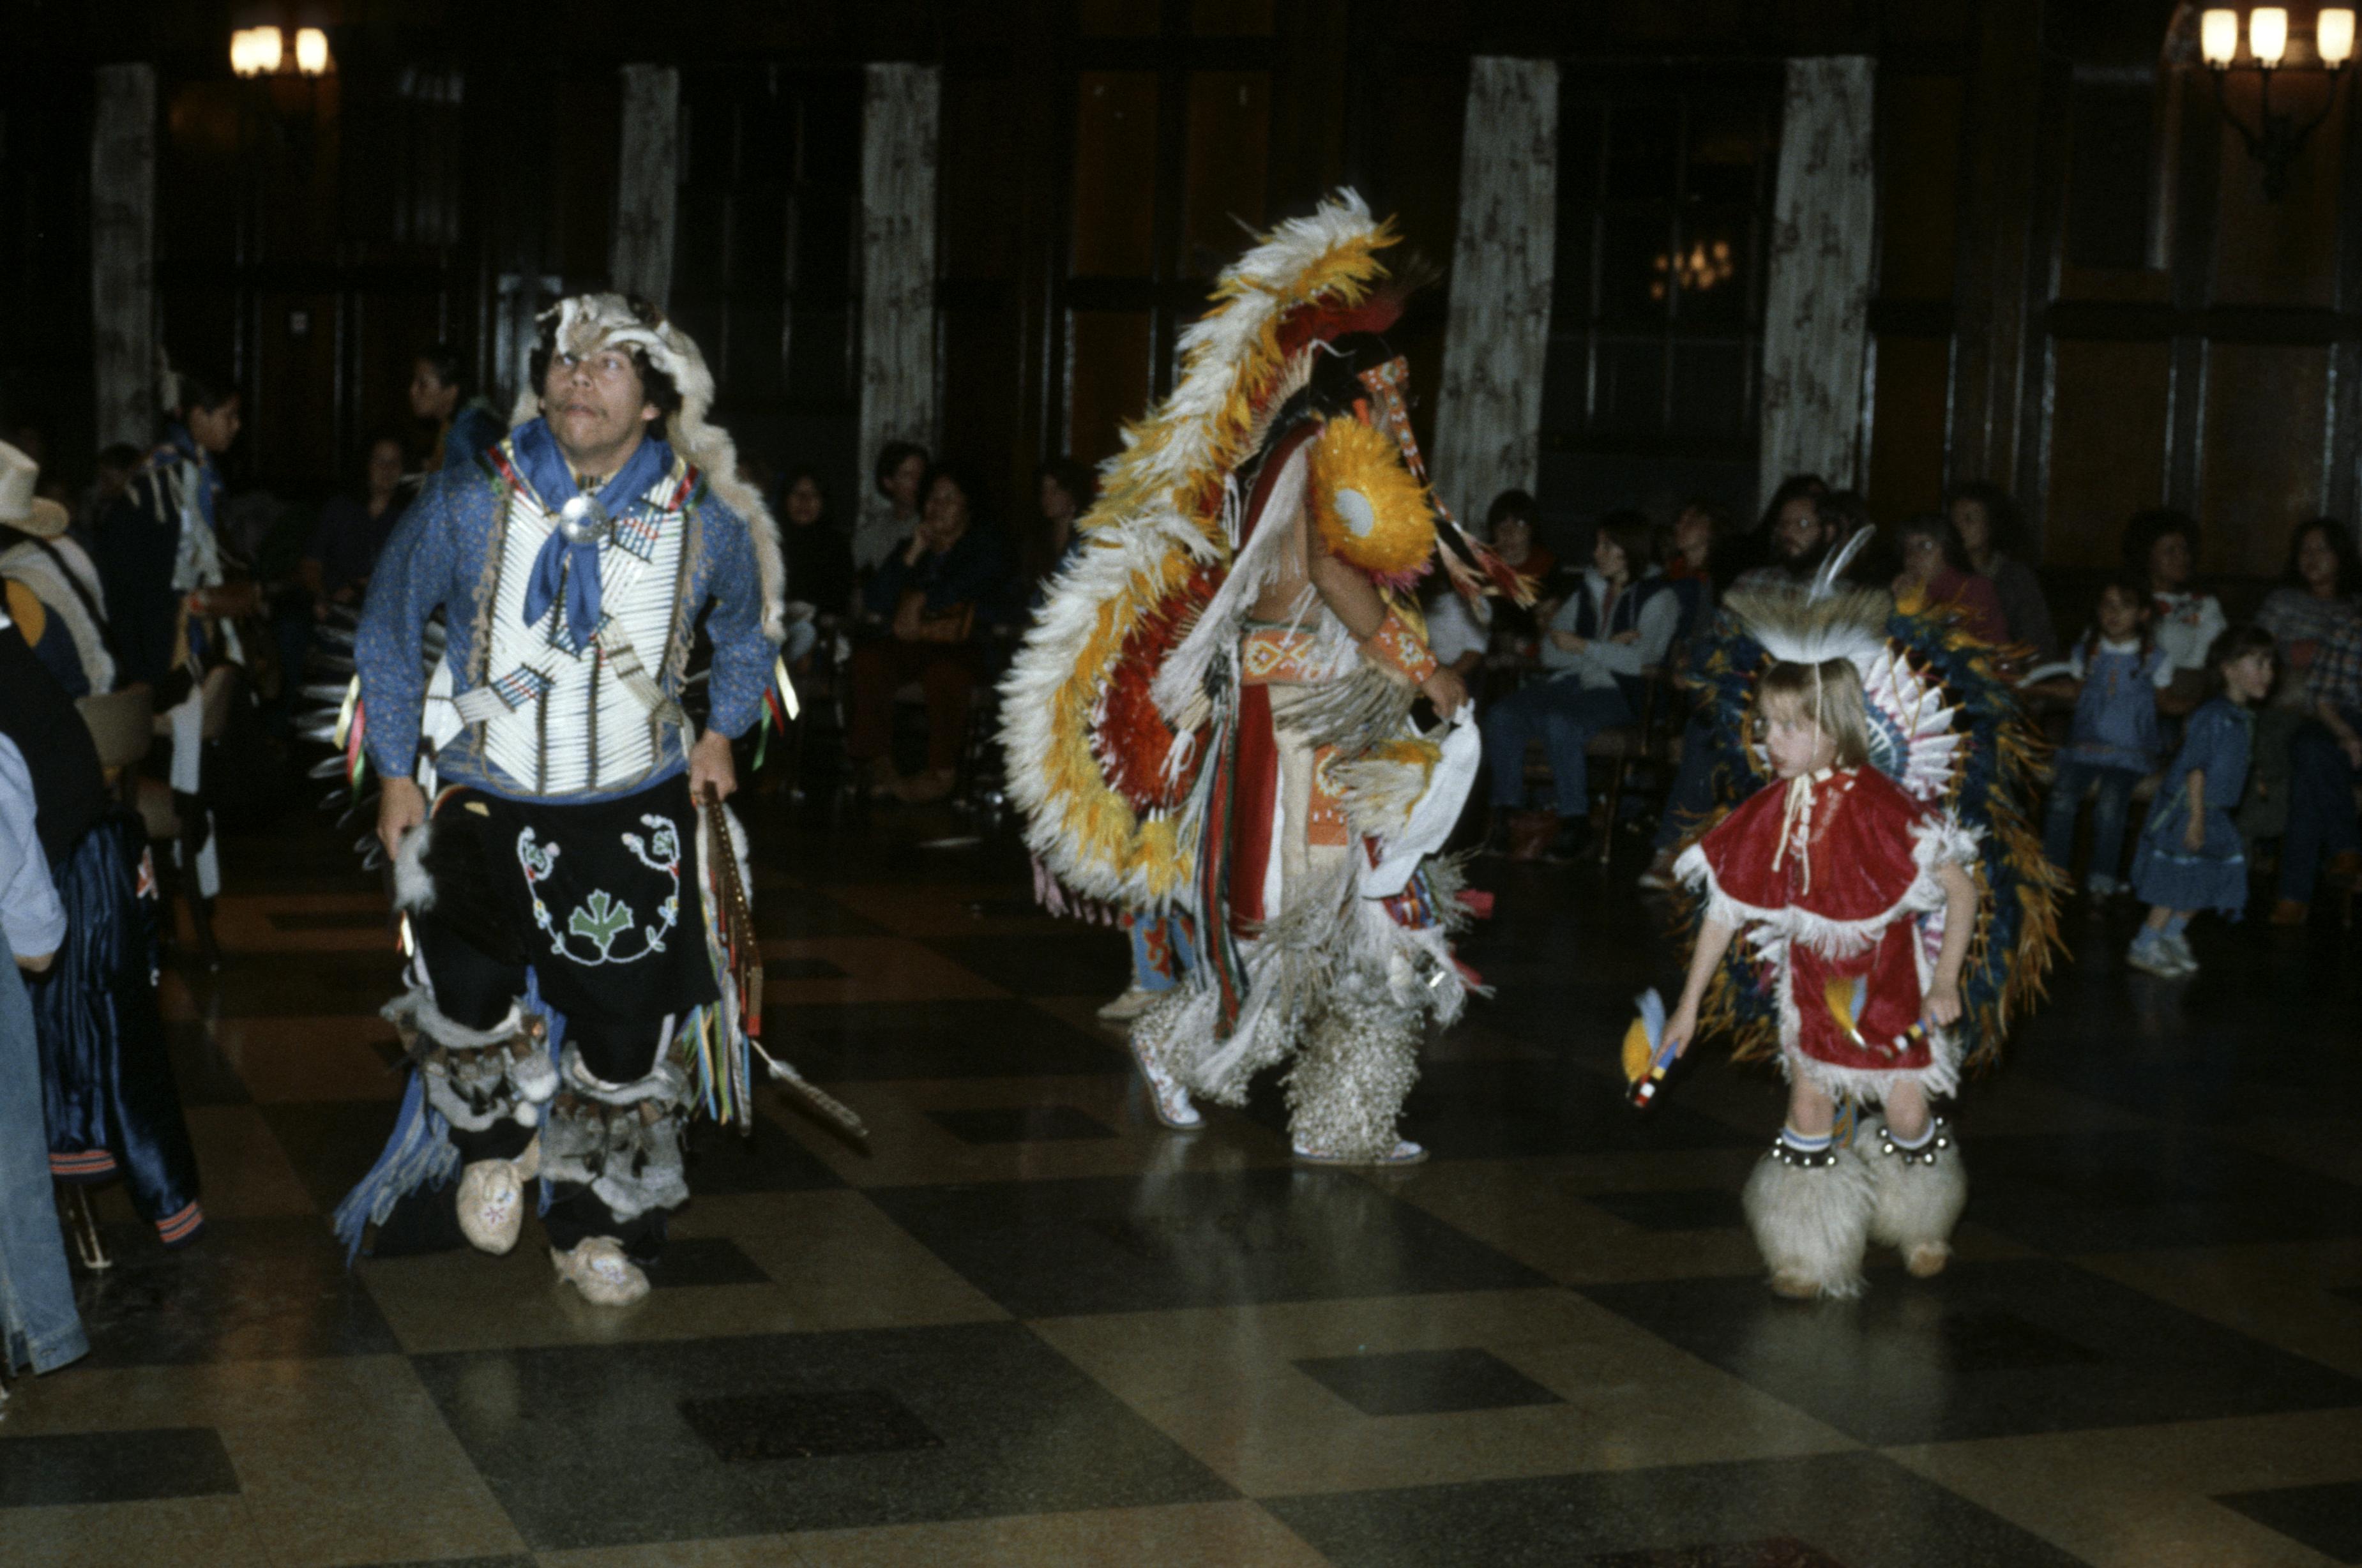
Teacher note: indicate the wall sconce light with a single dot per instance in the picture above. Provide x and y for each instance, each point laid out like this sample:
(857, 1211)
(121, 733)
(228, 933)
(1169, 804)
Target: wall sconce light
(2278, 138)
(254, 51)
(263, 52)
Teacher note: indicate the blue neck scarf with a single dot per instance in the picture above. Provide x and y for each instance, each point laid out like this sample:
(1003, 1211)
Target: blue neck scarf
(565, 568)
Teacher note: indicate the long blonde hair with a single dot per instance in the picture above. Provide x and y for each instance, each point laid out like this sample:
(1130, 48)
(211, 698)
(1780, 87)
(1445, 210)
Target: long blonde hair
(1828, 693)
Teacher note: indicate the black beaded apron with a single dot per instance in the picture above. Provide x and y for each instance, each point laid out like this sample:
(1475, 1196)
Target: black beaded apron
(604, 898)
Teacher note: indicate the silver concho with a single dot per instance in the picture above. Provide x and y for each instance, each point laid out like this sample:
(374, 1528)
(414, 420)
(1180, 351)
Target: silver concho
(584, 522)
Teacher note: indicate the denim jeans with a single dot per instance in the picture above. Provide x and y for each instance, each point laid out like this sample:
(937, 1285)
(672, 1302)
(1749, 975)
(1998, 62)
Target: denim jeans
(1564, 715)
(39, 1324)
(1692, 795)
(2108, 811)
(2321, 809)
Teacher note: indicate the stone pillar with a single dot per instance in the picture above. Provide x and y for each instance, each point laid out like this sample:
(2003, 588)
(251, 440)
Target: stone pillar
(647, 183)
(1489, 411)
(900, 109)
(123, 253)
(1816, 296)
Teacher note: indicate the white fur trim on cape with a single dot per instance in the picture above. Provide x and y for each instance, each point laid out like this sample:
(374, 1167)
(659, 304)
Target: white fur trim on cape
(413, 884)
(589, 322)
(1934, 842)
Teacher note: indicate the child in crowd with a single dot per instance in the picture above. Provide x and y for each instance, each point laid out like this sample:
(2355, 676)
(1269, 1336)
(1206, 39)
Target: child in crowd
(2115, 739)
(1859, 900)
(2190, 856)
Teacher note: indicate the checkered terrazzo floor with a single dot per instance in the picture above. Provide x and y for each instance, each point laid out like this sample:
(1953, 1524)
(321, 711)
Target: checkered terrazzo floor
(1029, 1327)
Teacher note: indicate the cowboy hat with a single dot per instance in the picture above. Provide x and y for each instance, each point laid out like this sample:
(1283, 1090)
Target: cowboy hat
(19, 507)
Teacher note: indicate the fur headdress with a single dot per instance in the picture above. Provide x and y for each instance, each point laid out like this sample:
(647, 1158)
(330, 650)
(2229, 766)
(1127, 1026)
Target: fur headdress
(586, 324)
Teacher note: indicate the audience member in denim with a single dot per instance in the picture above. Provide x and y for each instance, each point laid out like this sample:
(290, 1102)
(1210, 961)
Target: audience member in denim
(38, 1326)
(1610, 630)
(2117, 740)
(2324, 758)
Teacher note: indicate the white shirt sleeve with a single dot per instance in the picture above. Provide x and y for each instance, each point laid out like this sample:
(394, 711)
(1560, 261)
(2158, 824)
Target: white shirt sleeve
(29, 910)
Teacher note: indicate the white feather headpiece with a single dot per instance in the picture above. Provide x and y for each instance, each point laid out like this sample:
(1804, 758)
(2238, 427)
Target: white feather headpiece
(586, 324)
(1914, 725)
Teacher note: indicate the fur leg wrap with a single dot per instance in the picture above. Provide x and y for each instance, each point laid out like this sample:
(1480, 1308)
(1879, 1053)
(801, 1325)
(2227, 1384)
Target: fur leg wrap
(1345, 1088)
(1918, 1195)
(476, 1076)
(1811, 1218)
(622, 1141)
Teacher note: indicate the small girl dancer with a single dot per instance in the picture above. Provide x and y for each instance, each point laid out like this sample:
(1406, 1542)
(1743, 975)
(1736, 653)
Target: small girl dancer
(1858, 899)
(2190, 857)
(2117, 740)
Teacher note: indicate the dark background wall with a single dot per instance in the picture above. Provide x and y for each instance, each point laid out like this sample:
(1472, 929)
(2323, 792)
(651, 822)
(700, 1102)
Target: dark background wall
(2084, 291)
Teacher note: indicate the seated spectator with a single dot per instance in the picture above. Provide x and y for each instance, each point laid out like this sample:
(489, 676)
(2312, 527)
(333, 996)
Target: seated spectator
(1935, 572)
(819, 561)
(352, 529)
(1992, 530)
(2161, 550)
(1509, 525)
(1690, 545)
(52, 587)
(885, 524)
(934, 600)
(2117, 740)
(2317, 594)
(442, 393)
(1068, 487)
(1795, 504)
(1616, 623)
(2324, 757)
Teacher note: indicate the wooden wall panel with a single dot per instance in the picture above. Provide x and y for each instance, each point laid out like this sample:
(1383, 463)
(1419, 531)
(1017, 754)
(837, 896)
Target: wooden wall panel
(1227, 169)
(290, 418)
(1114, 231)
(1920, 190)
(2279, 252)
(1109, 355)
(2261, 470)
(1233, 19)
(1908, 424)
(2109, 403)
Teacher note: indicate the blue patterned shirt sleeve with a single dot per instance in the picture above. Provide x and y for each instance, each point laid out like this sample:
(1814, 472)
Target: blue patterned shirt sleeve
(742, 652)
(413, 576)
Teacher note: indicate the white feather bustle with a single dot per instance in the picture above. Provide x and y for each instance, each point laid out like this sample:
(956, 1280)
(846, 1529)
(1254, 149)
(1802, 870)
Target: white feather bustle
(589, 322)
(1812, 1222)
(1915, 1204)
